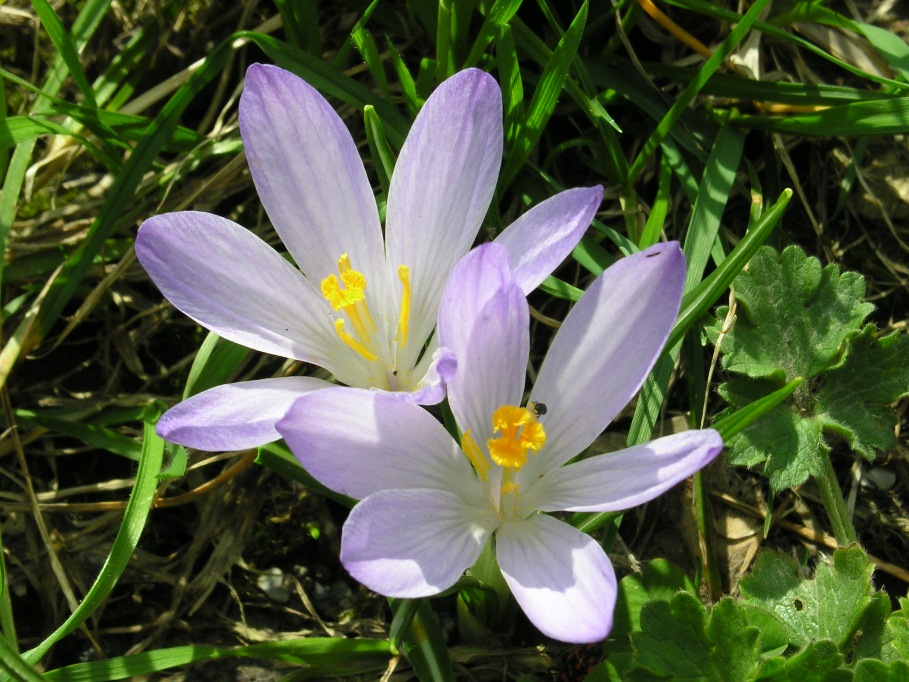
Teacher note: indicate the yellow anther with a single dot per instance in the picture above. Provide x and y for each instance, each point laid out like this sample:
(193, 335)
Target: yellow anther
(350, 295)
(404, 317)
(352, 342)
(474, 454)
(354, 285)
(352, 300)
(521, 432)
(510, 488)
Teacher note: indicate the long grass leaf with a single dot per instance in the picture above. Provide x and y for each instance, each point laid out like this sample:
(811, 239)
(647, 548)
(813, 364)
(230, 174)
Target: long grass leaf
(693, 88)
(425, 648)
(65, 47)
(855, 119)
(318, 652)
(137, 510)
(545, 96)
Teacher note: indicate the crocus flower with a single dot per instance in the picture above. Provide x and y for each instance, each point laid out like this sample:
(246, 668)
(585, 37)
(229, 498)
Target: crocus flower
(427, 506)
(357, 304)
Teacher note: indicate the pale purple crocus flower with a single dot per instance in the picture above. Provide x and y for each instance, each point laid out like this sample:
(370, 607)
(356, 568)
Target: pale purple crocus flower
(358, 304)
(428, 507)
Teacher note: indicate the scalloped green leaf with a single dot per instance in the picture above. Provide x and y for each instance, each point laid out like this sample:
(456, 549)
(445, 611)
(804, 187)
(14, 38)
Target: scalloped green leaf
(830, 606)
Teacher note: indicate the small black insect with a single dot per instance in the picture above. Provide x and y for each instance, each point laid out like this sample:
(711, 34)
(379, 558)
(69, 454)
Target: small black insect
(537, 409)
(654, 254)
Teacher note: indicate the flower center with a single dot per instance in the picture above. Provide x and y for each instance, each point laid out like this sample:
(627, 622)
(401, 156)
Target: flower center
(520, 433)
(346, 292)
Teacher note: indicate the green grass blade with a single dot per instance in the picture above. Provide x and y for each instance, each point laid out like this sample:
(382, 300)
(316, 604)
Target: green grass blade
(890, 46)
(340, 60)
(741, 419)
(301, 24)
(714, 9)
(65, 48)
(408, 87)
(115, 85)
(855, 119)
(699, 300)
(444, 28)
(713, 194)
(684, 100)
(367, 47)
(83, 27)
(317, 652)
(215, 362)
(7, 620)
(404, 611)
(545, 97)
(91, 434)
(383, 157)
(555, 287)
(660, 209)
(498, 15)
(510, 82)
(425, 648)
(137, 510)
(14, 666)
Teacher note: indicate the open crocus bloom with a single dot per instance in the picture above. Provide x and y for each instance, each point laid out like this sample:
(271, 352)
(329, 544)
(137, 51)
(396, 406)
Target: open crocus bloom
(428, 507)
(360, 307)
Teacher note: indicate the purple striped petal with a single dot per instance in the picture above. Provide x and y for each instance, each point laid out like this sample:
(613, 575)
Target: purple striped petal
(484, 320)
(620, 480)
(234, 416)
(230, 281)
(413, 543)
(561, 578)
(441, 188)
(310, 178)
(359, 442)
(604, 350)
(543, 237)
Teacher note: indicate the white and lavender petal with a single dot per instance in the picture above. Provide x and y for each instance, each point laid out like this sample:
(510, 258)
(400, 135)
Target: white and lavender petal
(233, 283)
(235, 416)
(358, 442)
(561, 578)
(620, 480)
(413, 543)
(604, 350)
(543, 237)
(484, 320)
(441, 187)
(310, 177)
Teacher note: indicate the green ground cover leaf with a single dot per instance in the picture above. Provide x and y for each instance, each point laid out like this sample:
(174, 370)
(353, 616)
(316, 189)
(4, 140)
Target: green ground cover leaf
(831, 606)
(786, 627)
(797, 315)
(855, 398)
(797, 318)
(680, 641)
(818, 662)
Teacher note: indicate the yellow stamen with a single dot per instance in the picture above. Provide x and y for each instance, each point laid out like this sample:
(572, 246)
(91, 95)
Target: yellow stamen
(352, 300)
(352, 342)
(474, 454)
(510, 488)
(404, 317)
(521, 433)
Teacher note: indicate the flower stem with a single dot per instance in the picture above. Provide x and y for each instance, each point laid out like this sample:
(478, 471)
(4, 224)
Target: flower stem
(832, 496)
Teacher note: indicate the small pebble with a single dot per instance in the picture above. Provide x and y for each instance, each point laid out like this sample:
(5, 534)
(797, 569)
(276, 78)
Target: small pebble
(271, 582)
